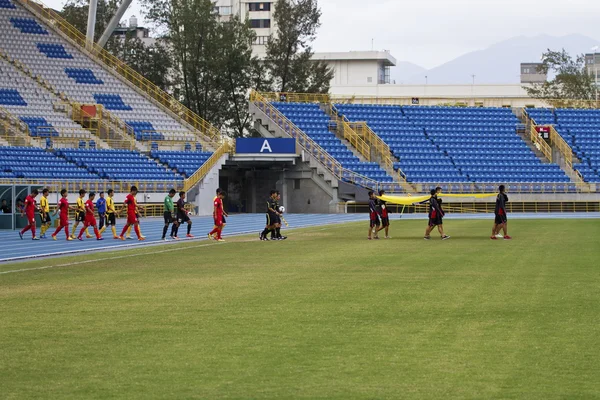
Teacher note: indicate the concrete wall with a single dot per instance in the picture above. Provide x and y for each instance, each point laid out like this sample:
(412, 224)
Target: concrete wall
(489, 95)
(350, 73)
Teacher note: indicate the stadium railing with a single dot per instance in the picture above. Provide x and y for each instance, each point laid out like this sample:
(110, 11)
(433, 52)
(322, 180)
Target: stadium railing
(225, 147)
(112, 63)
(308, 145)
(349, 134)
(512, 187)
(539, 142)
(96, 185)
(12, 130)
(170, 139)
(485, 207)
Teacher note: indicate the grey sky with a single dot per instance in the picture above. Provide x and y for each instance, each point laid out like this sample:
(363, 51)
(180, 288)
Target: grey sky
(431, 32)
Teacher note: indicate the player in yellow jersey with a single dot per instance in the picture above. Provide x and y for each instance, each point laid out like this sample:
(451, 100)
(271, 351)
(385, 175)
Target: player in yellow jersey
(45, 213)
(111, 214)
(80, 215)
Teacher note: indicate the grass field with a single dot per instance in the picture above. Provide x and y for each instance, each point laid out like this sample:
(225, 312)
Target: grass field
(325, 314)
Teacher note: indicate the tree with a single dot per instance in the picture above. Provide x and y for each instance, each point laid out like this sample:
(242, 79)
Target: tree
(153, 62)
(239, 71)
(76, 13)
(572, 80)
(289, 52)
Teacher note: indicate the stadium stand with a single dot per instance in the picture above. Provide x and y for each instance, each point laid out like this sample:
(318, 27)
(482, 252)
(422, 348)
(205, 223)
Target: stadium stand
(71, 72)
(448, 144)
(315, 123)
(184, 162)
(25, 99)
(420, 159)
(580, 128)
(483, 144)
(118, 165)
(37, 163)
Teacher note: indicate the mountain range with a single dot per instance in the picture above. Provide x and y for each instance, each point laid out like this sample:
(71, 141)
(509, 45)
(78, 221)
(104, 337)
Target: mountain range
(498, 64)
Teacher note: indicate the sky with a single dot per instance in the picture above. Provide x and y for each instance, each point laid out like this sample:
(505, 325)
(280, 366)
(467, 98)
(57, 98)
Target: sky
(432, 32)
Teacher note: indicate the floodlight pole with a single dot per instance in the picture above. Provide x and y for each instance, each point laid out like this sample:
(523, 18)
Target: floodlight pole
(114, 22)
(91, 24)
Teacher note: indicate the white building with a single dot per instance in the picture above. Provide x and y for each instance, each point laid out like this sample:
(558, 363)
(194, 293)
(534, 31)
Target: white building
(140, 32)
(359, 68)
(260, 15)
(592, 61)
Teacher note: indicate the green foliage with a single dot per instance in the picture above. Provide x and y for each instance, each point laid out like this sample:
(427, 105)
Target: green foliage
(208, 64)
(323, 315)
(153, 62)
(289, 53)
(572, 80)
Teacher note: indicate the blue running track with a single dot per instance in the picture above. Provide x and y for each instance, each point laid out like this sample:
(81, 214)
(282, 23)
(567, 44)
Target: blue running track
(15, 249)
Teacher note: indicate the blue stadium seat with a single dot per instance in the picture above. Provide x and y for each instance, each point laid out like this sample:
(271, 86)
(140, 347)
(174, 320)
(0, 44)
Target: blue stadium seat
(11, 97)
(111, 102)
(53, 50)
(39, 127)
(28, 25)
(83, 75)
(6, 4)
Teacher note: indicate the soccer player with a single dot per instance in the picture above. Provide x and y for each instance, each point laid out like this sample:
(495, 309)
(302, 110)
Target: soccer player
(111, 214)
(383, 213)
(101, 206)
(218, 214)
(63, 207)
(271, 214)
(373, 216)
(80, 215)
(45, 213)
(90, 219)
(132, 219)
(500, 220)
(276, 231)
(435, 217)
(182, 216)
(169, 210)
(29, 208)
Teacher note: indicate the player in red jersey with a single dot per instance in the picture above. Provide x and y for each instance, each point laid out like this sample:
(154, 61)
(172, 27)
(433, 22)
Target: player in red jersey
(30, 209)
(132, 219)
(90, 219)
(218, 216)
(63, 207)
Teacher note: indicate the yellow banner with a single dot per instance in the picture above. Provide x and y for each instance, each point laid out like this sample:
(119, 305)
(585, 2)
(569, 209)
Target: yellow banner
(409, 200)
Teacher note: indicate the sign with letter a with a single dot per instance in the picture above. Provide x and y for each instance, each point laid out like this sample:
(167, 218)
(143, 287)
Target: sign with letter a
(265, 146)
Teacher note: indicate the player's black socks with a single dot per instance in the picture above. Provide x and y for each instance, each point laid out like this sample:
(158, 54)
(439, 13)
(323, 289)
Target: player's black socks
(174, 231)
(273, 233)
(165, 231)
(277, 232)
(265, 232)
(189, 228)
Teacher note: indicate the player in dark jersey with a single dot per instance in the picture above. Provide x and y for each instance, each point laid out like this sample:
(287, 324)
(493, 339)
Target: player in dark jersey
(500, 219)
(182, 217)
(276, 231)
(435, 217)
(373, 216)
(383, 213)
(271, 214)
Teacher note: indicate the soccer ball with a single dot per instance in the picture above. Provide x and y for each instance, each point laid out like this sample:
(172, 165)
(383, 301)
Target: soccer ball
(282, 209)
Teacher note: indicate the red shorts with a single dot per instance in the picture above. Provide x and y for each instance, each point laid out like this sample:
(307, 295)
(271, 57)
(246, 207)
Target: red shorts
(132, 219)
(218, 221)
(90, 221)
(31, 218)
(64, 220)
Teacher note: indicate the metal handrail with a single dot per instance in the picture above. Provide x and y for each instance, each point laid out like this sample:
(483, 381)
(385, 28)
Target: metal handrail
(322, 156)
(112, 63)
